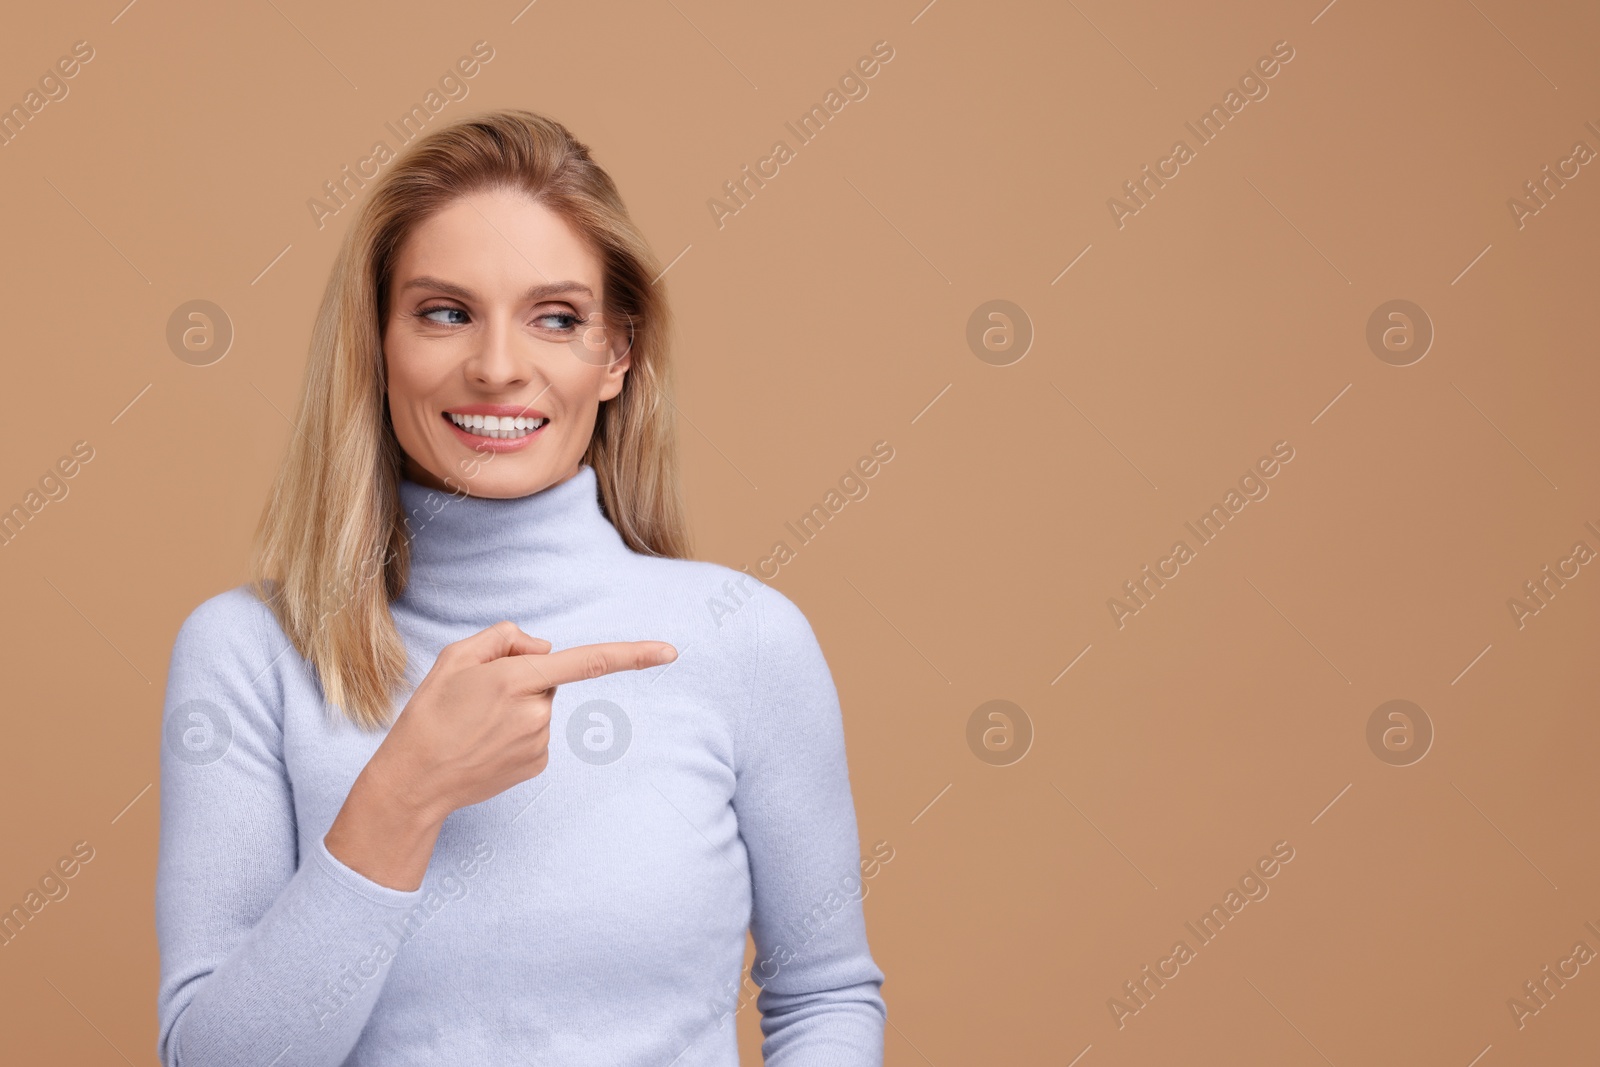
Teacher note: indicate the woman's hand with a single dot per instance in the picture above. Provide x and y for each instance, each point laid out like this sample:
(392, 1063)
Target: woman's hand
(478, 724)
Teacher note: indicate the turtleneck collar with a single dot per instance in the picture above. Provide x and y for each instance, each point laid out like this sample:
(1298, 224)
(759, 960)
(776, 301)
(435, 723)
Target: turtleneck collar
(475, 560)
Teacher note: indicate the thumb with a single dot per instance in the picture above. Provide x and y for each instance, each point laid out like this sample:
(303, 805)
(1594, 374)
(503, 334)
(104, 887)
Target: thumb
(504, 638)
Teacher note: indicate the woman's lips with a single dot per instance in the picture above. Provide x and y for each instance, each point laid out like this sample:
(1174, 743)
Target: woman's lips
(480, 443)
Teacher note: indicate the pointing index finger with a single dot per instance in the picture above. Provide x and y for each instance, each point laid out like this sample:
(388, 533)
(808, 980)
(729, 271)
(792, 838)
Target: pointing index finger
(545, 672)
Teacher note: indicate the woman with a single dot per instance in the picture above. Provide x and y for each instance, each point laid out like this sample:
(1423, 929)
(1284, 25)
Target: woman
(397, 826)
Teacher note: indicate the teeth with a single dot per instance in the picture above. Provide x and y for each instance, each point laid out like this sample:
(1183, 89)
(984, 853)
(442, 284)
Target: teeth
(505, 427)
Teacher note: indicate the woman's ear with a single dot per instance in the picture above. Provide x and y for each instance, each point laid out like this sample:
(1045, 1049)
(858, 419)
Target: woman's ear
(621, 360)
(624, 338)
(615, 373)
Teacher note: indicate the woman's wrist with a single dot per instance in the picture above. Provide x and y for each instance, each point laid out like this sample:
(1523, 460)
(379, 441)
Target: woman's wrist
(391, 782)
(386, 830)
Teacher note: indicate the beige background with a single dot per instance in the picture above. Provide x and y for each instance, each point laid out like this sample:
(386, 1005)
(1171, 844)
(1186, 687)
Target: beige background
(1227, 315)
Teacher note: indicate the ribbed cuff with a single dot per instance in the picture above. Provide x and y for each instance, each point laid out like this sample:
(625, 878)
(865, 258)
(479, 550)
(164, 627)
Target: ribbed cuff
(360, 884)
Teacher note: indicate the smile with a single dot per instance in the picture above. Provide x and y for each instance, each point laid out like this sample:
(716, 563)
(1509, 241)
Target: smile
(504, 427)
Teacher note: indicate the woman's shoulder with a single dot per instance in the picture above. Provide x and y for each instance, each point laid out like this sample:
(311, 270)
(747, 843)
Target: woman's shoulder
(775, 627)
(223, 661)
(235, 625)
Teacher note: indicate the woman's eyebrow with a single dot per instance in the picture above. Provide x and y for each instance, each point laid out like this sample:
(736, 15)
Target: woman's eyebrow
(533, 292)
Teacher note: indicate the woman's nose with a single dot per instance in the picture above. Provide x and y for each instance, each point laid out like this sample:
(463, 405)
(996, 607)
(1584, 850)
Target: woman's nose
(498, 362)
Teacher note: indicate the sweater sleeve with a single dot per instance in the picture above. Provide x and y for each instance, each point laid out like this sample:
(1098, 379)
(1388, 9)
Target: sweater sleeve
(270, 947)
(820, 1002)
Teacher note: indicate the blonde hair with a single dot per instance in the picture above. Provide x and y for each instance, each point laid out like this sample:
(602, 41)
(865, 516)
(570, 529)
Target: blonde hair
(333, 525)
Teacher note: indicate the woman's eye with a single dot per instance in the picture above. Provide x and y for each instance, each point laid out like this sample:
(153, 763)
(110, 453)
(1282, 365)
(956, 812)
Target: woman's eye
(549, 321)
(558, 321)
(429, 313)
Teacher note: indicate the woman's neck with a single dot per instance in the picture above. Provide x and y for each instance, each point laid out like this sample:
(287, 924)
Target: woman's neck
(476, 560)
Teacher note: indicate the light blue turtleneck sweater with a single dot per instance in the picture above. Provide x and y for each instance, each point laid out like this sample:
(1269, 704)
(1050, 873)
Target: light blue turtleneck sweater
(594, 914)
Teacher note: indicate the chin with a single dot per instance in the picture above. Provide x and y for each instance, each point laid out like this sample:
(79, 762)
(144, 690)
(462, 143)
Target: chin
(504, 476)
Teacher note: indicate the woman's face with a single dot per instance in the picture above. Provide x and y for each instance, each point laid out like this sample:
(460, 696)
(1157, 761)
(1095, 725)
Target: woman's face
(495, 313)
